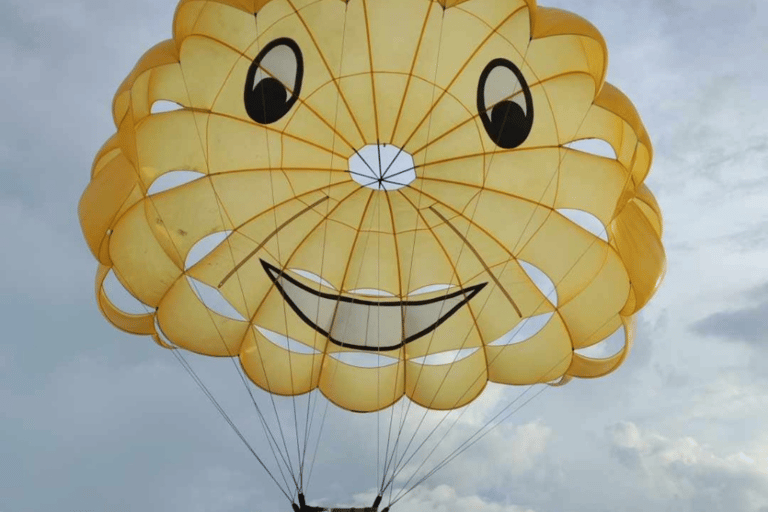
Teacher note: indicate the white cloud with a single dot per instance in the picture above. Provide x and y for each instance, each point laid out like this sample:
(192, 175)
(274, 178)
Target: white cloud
(444, 498)
(689, 474)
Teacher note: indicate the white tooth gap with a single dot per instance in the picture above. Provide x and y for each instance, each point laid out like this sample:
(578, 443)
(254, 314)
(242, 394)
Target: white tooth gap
(172, 180)
(585, 220)
(204, 247)
(372, 292)
(213, 299)
(441, 358)
(312, 277)
(431, 288)
(541, 280)
(161, 106)
(286, 342)
(121, 298)
(364, 359)
(597, 147)
(526, 329)
(606, 348)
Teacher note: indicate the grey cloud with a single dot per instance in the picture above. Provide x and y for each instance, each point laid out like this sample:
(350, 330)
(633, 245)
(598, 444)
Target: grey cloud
(748, 324)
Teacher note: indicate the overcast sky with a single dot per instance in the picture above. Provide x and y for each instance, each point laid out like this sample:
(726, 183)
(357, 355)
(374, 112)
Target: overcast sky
(93, 420)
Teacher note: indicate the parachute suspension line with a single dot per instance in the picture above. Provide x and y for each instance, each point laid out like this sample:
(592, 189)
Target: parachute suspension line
(185, 364)
(390, 459)
(472, 439)
(400, 464)
(263, 242)
(196, 378)
(479, 258)
(312, 405)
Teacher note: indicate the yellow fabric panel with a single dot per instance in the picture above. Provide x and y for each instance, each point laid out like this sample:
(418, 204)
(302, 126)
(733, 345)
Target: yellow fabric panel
(132, 323)
(162, 54)
(157, 158)
(473, 233)
(267, 365)
(586, 314)
(590, 183)
(361, 389)
(643, 254)
(139, 259)
(541, 358)
(100, 204)
(586, 367)
(446, 386)
(186, 321)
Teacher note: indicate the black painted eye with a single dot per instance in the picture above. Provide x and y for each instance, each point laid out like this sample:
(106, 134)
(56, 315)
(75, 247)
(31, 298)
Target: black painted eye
(507, 122)
(274, 79)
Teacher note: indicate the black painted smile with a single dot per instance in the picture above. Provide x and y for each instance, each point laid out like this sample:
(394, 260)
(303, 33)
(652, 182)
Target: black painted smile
(364, 324)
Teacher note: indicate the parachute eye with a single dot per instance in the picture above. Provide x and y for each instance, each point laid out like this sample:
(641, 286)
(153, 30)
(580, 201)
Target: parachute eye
(504, 103)
(274, 80)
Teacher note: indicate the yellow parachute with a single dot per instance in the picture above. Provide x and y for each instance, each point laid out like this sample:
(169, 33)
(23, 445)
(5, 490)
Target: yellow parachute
(378, 198)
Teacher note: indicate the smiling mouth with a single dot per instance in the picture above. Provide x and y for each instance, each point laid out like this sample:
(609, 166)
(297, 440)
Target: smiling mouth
(363, 324)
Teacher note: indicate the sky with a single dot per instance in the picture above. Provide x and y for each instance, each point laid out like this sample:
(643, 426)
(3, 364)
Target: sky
(94, 420)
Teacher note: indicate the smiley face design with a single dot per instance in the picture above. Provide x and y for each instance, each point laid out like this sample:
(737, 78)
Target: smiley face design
(378, 198)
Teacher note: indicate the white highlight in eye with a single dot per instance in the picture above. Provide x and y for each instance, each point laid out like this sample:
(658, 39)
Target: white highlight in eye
(430, 288)
(312, 277)
(286, 342)
(213, 299)
(502, 84)
(279, 63)
(373, 292)
(173, 179)
(541, 280)
(121, 298)
(526, 329)
(597, 147)
(204, 247)
(364, 359)
(441, 358)
(606, 348)
(161, 106)
(585, 220)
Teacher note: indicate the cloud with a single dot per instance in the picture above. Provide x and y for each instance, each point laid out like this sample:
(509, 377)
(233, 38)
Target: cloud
(444, 498)
(684, 472)
(747, 324)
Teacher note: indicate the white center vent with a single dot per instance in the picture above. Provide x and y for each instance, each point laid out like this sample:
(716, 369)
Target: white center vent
(382, 167)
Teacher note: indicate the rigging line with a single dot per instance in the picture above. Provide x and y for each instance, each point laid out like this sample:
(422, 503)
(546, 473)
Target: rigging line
(310, 418)
(469, 442)
(268, 238)
(260, 414)
(152, 202)
(185, 364)
(448, 460)
(416, 52)
(204, 148)
(480, 259)
(413, 248)
(461, 252)
(482, 427)
(210, 395)
(595, 330)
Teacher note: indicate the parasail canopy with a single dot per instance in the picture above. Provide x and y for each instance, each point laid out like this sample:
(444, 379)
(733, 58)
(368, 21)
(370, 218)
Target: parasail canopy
(378, 198)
